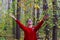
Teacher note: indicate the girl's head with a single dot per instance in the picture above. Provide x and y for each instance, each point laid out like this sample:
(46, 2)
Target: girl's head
(29, 21)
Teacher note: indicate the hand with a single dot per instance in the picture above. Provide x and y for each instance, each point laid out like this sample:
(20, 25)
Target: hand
(12, 16)
(46, 17)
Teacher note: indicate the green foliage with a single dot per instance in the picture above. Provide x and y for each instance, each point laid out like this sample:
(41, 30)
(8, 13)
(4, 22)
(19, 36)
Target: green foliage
(0, 3)
(6, 20)
(28, 2)
(2, 38)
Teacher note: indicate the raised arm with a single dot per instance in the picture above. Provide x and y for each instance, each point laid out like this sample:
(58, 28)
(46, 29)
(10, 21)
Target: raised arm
(19, 23)
(39, 25)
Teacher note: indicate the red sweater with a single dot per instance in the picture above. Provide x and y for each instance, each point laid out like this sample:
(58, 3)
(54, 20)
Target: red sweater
(30, 33)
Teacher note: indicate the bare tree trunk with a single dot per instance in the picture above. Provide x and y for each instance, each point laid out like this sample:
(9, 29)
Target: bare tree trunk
(33, 16)
(38, 14)
(18, 17)
(55, 19)
(45, 9)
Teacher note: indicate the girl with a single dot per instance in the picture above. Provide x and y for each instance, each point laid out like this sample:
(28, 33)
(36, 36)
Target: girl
(30, 30)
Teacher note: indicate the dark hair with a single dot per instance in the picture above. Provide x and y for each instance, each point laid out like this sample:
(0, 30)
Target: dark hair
(28, 20)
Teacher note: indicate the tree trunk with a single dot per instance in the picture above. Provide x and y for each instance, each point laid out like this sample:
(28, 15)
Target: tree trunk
(45, 9)
(55, 19)
(54, 33)
(33, 16)
(18, 17)
(38, 14)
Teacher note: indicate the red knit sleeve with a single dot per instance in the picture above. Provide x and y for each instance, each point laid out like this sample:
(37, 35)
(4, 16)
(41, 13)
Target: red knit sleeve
(38, 25)
(21, 25)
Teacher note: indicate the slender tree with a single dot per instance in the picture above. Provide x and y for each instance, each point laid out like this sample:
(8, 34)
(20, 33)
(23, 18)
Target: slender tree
(18, 17)
(45, 10)
(55, 19)
(38, 10)
(33, 15)
(38, 16)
